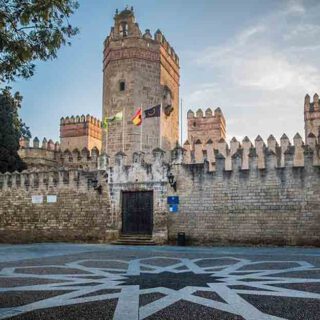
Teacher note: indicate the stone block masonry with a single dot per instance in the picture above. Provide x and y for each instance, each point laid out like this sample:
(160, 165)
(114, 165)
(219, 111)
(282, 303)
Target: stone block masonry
(80, 132)
(208, 126)
(53, 206)
(139, 71)
(242, 194)
(50, 156)
(256, 206)
(312, 116)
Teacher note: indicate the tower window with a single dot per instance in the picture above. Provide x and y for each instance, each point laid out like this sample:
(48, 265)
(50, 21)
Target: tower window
(123, 29)
(122, 86)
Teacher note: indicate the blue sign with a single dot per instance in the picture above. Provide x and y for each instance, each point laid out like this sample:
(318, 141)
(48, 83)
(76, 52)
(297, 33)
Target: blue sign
(173, 207)
(173, 200)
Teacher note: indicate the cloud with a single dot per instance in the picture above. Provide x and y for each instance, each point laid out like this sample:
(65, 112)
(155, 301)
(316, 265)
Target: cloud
(260, 76)
(295, 7)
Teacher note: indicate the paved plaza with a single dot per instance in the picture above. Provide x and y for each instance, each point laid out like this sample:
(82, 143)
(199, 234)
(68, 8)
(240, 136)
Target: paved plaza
(78, 282)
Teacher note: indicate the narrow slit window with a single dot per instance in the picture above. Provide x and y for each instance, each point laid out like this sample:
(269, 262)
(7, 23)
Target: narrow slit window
(122, 86)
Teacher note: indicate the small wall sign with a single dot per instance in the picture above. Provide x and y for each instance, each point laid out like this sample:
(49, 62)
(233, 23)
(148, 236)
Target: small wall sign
(37, 199)
(174, 208)
(51, 198)
(173, 200)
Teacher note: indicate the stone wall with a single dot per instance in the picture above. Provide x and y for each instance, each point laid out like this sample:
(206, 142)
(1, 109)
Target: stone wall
(268, 195)
(254, 206)
(242, 193)
(148, 69)
(78, 132)
(49, 156)
(206, 126)
(312, 116)
(80, 212)
(169, 79)
(141, 176)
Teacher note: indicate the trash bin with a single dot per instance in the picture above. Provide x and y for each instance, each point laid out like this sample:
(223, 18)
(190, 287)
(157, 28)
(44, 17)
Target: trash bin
(181, 239)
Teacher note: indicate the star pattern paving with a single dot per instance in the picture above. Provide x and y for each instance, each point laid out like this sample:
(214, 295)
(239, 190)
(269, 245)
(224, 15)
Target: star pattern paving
(175, 279)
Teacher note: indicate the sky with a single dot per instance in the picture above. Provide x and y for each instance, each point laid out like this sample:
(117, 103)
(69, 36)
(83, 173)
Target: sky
(255, 59)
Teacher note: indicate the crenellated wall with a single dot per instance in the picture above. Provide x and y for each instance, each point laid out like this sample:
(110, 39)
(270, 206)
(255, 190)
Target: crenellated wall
(78, 132)
(206, 151)
(78, 213)
(250, 203)
(312, 116)
(243, 193)
(206, 126)
(49, 155)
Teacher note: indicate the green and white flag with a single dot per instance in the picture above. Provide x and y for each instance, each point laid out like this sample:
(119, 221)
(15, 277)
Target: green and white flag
(117, 117)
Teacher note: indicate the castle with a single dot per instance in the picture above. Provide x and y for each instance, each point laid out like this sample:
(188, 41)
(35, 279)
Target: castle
(109, 180)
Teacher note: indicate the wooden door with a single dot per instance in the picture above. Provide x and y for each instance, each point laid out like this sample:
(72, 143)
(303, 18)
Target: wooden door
(137, 212)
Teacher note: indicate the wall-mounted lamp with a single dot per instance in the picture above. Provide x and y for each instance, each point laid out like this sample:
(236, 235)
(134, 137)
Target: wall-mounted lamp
(172, 182)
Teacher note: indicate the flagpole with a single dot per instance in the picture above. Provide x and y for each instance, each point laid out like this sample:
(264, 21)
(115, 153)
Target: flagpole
(160, 140)
(141, 129)
(106, 135)
(181, 124)
(123, 124)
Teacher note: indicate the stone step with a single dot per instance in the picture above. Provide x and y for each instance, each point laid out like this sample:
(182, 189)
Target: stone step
(142, 237)
(133, 243)
(134, 240)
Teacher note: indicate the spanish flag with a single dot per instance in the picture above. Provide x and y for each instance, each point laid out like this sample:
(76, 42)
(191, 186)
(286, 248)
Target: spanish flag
(137, 118)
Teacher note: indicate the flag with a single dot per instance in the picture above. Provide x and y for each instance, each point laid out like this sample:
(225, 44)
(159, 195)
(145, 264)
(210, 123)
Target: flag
(153, 111)
(137, 118)
(117, 117)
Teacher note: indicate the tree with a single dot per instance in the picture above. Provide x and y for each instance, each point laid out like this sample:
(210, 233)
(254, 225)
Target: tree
(32, 30)
(11, 130)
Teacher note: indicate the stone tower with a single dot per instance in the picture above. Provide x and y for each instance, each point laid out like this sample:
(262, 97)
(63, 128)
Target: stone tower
(312, 116)
(139, 71)
(80, 132)
(207, 126)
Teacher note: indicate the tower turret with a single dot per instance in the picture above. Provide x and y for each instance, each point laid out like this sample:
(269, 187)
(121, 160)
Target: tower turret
(205, 126)
(80, 132)
(139, 71)
(312, 116)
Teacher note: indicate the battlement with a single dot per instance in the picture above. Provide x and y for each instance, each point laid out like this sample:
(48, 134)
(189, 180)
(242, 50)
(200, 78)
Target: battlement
(312, 116)
(84, 158)
(160, 38)
(88, 119)
(126, 27)
(45, 145)
(80, 132)
(204, 126)
(242, 155)
(311, 106)
(49, 155)
(207, 114)
(46, 179)
(245, 156)
(259, 155)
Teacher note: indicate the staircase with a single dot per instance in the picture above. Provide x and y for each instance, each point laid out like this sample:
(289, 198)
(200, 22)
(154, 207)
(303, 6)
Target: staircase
(134, 240)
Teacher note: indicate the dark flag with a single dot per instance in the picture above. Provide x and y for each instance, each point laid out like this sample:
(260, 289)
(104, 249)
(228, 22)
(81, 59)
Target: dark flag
(153, 112)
